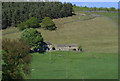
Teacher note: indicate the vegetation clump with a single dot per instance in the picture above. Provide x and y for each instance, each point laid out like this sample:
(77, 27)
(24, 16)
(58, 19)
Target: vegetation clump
(48, 24)
(14, 13)
(80, 48)
(30, 23)
(16, 59)
(100, 9)
(33, 37)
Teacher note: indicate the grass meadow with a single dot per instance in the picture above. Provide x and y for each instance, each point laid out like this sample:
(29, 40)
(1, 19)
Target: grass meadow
(74, 65)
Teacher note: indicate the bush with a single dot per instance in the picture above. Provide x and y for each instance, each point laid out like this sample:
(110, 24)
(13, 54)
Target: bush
(112, 9)
(16, 59)
(80, 48)
(22, 26)
(30, 23)
(48, 24)
(33, 37)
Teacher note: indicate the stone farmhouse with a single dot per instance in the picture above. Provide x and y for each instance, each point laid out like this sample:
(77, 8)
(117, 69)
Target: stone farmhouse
(63, 47)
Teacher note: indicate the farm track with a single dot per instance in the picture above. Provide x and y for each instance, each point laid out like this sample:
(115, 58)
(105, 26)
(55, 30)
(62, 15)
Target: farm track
(79, 20)
(76, 21)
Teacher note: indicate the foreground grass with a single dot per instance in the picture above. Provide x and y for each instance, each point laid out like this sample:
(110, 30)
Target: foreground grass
(74, 65)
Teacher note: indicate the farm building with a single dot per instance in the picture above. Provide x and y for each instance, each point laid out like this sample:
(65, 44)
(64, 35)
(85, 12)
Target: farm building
(68, 47)
(47, 46)
(82, 14)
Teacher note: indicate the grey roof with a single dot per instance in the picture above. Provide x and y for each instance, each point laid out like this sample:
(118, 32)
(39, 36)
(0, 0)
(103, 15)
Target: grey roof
(61, 45)
(48, 43)
(69, 45)
(73, 45)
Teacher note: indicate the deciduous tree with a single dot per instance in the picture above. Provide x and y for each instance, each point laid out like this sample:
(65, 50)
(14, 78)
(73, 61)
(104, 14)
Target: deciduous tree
(16, 59)
(33, 37)
(30, 23)
(48, 24)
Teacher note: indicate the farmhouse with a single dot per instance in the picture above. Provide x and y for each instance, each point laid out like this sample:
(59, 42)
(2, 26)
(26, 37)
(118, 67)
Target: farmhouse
(68, 47)
(47, 46)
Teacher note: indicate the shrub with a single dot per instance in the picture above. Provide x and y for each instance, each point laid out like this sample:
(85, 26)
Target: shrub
(48, 24)
(30, 23)
(22, 26)
(80, 48)
(16, 59)
(112, 9)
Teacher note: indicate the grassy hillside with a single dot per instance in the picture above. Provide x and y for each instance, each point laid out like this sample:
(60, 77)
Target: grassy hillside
(74, 65)
(98, 34)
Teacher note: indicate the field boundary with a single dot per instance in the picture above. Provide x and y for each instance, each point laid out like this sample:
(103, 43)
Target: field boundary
(76, 21)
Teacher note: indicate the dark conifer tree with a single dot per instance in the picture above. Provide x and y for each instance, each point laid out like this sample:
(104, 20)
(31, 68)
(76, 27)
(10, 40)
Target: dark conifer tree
(14, 13)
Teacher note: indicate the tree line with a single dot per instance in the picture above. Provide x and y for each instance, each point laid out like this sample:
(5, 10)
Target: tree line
(77, 8)
(13, 13)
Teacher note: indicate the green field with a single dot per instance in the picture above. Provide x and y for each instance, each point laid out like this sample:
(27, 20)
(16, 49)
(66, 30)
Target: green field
(74, 65)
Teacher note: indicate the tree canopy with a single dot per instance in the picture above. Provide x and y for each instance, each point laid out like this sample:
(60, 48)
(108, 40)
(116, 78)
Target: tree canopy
(30, 23)
(16, 59)
(13, 13)
(33, 37)
(48, 24)
(77, 8)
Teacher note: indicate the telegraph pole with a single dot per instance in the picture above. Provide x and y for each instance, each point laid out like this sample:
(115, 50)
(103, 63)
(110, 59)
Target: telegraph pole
(66, 68)
(83, 78)
(50, 57)
(66, 72)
